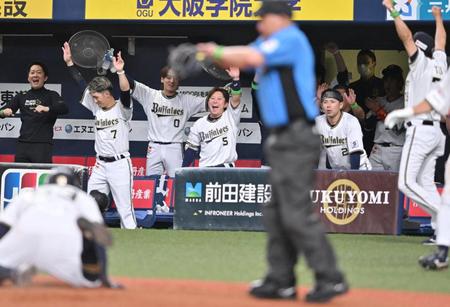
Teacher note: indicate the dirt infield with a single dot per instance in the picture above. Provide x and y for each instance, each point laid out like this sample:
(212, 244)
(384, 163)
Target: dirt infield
(46, 291)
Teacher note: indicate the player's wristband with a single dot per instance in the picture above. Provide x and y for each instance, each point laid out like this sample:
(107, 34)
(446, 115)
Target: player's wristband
(394, 13)
(236, 87)
(121, 72)
(1, 114)
(354, 106)
(254, 85)
(218, 53)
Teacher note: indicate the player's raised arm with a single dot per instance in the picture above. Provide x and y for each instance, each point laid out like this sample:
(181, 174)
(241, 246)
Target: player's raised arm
(240, 56)
(74, 72)
(119, 65)
(236, 91)
(404, 33)
(440, 36)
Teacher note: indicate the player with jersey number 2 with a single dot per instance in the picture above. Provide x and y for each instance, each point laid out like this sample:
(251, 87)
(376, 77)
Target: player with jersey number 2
(424, 141)
(113, 170)
(215, 134)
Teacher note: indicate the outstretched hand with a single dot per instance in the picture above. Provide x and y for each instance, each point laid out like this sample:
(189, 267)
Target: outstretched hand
(67, 54)
(436, 11)
(388, 4)
(233, 72)
(118, 61)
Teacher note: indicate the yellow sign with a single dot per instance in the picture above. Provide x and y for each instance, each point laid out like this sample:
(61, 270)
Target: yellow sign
(341, 209)
(212, 10)
(26, 9)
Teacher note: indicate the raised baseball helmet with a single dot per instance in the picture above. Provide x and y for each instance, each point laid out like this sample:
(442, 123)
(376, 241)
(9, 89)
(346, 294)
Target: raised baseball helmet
(102, 200)
(424, 42)
(63, 176)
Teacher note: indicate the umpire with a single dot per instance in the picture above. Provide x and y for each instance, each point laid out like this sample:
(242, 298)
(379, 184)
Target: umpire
(284, 62)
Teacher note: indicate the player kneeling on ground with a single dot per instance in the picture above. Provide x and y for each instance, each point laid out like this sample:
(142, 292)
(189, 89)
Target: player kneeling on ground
(340, 134)
(58, 229)
(216, 133)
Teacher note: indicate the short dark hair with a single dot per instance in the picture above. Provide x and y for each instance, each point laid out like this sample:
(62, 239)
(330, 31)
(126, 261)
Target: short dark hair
(394, 72)
(164, 71)
(225, 93)
(43, 66)
(367, 52)
(331, 93)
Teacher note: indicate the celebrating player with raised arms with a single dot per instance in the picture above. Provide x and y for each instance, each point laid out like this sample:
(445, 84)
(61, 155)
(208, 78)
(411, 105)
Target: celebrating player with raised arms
(424, 140)
(112, 170)
(215, 134)
(167, 113)
(340, 134)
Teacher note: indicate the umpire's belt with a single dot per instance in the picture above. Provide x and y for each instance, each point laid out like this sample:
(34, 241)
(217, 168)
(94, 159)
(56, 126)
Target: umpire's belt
(421, 122)
(111, 159)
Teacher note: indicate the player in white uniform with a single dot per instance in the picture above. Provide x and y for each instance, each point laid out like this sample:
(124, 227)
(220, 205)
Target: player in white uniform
(215, 134)
(58, 229)
(424, 141)
(112, 171)
(167, 114)
(438, 100)
(388, 143)
(340, 134)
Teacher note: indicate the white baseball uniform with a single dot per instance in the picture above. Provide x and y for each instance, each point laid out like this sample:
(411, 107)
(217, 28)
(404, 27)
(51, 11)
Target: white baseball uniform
(341, 140)
(44, 232)
(167, 118)
(217, 139)
(440, 101)
(113, 171)
(424, 141)
(388, 144)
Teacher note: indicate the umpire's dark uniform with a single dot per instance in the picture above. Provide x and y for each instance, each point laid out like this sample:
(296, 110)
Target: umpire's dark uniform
(286, 100)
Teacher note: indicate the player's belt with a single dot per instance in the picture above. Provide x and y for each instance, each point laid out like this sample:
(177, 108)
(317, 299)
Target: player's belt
(423, 122)
(388, 145)
(226, 165)
(162, 143)
(111, 159)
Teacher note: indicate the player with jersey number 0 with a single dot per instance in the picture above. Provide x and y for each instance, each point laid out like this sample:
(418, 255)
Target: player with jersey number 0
(215, 134)
(112, 171)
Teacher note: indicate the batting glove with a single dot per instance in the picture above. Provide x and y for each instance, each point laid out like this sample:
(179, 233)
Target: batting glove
(398, 116)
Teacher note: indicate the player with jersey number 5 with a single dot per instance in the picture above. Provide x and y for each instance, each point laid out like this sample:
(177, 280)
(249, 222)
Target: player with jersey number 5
(437, 100)
(424, 140)
(215, 134)
(112, 171)
(340, 135)
(167, 113)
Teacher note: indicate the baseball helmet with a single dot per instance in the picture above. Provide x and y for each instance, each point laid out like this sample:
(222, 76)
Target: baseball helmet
(424, 42)
(102, 200)
(64, 176)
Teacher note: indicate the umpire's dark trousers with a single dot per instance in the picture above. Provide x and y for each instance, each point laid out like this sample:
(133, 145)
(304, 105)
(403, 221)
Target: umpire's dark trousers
(293, 228)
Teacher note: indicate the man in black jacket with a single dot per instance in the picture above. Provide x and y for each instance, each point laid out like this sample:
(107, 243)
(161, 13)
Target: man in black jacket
(39, 108)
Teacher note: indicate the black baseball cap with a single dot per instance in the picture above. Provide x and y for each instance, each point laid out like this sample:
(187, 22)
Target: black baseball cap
(278, 7)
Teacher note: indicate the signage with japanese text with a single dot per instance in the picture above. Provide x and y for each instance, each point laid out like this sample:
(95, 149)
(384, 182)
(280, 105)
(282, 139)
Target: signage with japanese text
(212, 10)
(26, 9)
(420, 9)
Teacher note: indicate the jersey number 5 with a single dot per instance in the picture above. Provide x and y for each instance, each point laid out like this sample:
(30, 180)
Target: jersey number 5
(225, 141)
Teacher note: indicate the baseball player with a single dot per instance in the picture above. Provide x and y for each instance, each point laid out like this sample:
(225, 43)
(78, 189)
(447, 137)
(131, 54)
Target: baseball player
(388, 143)
(167, 113)
(424, 141)
(340, 134)
(437, 100)
(112, 170)
(215, 134)
(58, 229)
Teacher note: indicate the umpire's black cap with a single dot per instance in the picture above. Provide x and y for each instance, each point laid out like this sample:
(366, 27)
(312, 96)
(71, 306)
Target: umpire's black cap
(278, 7)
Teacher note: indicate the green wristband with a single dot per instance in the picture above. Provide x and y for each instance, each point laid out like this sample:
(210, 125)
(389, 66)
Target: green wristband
(354, 106)
(238, 92)
(394, 13)
(1, 113)
(218, 53)
(254, 85)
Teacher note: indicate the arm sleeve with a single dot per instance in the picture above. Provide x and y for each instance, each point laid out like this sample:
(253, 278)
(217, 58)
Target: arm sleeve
(418, 61)
(440, 65)
(189, 156)
(58, 107)
(88, 102)
(14, 104)
(125, 98)
(234, 113)
(276, 53)
(355, 160)
(194, 104)
(142, 93)
(78, 77)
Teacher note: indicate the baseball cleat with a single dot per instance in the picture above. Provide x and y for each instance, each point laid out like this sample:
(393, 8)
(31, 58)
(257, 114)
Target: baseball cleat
(324, 291)
(263, 288)
(430, 241)
(433, 262)
(23, 275)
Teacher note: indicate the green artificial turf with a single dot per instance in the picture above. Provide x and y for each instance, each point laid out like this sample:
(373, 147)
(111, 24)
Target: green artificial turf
(369, 261)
